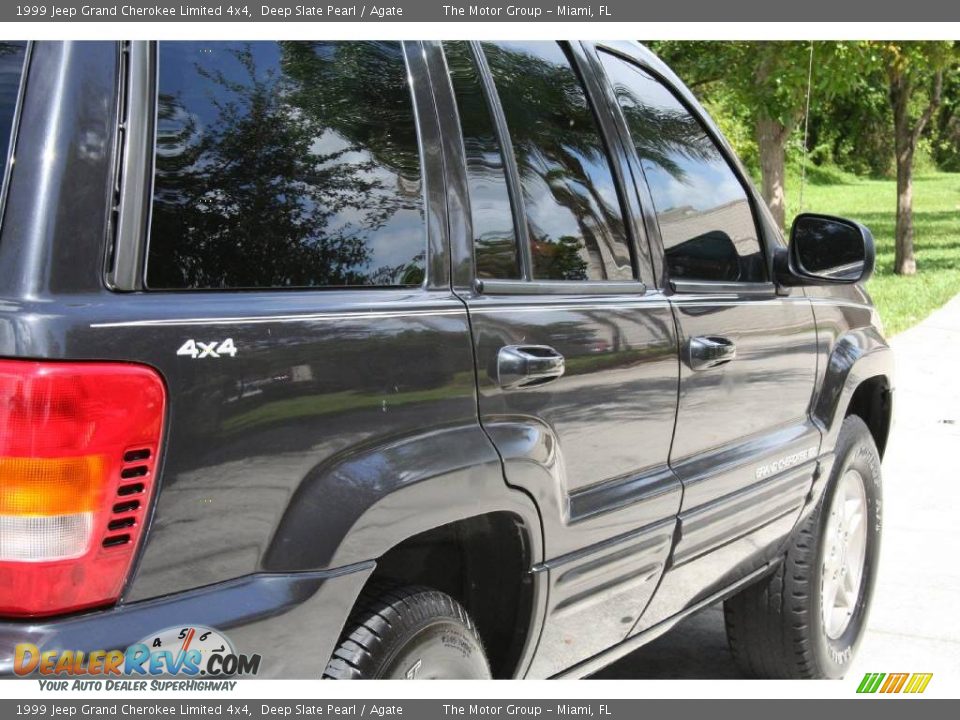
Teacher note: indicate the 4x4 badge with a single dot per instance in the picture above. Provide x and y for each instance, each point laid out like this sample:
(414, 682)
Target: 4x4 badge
(198, 349)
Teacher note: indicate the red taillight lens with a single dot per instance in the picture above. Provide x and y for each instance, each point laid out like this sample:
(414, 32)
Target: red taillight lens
(78, 450)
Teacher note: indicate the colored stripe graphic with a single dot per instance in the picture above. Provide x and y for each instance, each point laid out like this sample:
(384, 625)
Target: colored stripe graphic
(870, 682)
(918, 682)
(913, 683)
(894, 682)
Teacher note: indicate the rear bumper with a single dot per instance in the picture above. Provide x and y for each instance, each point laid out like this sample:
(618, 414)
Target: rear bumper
(292, 620)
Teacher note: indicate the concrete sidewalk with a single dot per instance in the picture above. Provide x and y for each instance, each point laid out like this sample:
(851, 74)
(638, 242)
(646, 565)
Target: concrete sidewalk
(915, 622)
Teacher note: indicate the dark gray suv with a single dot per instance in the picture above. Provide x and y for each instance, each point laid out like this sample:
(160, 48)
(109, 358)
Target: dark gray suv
(419, 360)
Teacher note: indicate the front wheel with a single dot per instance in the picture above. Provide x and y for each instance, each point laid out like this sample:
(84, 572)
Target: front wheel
(808, 618)
(411, 633)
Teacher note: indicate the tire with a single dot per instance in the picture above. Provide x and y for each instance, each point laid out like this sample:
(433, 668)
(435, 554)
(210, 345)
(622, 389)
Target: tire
(408, 633)
(778, 628)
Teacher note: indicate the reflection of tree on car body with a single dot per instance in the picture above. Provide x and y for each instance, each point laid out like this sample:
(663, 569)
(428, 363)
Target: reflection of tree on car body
(277, 160)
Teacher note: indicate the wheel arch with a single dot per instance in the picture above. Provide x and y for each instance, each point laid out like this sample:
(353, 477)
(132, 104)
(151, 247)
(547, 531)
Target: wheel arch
(872, 402)
(484, 562)
(361, 503)
(430, 510)
(858, 380)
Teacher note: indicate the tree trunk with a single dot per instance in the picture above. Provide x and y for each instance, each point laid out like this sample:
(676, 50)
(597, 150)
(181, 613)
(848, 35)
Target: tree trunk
(772, 143)
(905, 263)
(906, 137)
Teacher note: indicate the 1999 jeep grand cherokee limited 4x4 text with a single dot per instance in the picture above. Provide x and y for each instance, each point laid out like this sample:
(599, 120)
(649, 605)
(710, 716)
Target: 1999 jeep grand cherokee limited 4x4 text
(420, 360)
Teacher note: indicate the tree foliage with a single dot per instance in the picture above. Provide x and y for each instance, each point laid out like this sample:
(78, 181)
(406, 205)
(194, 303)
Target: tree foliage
(915, 74)
(875, 106)
(769, 81)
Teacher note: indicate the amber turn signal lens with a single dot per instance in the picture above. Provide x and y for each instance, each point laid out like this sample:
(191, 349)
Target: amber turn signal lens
(50, 486)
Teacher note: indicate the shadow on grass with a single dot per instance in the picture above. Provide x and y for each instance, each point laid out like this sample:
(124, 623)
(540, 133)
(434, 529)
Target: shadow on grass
(930, 262)
(921, 244)
(818, 175)
(920, 217)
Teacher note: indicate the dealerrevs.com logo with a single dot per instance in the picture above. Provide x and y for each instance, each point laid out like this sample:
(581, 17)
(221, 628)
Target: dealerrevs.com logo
(192, 651)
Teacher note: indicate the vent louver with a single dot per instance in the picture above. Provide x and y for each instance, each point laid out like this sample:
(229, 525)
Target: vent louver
(136, 481)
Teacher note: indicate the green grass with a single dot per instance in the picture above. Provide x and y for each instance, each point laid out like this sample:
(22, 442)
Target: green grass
(902, 301)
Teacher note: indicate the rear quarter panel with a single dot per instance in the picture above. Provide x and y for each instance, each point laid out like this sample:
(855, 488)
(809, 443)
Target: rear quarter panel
(329, 402)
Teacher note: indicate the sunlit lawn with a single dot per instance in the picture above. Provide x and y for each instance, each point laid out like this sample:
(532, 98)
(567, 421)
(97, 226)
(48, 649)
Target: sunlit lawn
(903, 301)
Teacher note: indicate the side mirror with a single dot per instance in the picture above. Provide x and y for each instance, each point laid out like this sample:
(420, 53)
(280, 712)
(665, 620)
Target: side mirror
(827, 250)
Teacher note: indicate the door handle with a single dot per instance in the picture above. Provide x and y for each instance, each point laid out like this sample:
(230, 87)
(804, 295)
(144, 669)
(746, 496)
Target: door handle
(710, 351)
(522, 366)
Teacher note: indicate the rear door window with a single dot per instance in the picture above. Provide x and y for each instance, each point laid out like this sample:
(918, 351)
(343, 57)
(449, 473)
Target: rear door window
(285, 164)
(573, 211)
(494, 237)
(12, 55)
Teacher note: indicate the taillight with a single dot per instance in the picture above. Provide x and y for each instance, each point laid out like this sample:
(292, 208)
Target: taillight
(78, 449)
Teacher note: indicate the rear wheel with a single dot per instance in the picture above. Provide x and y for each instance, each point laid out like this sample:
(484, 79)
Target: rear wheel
(808, 618)
(408, 633)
